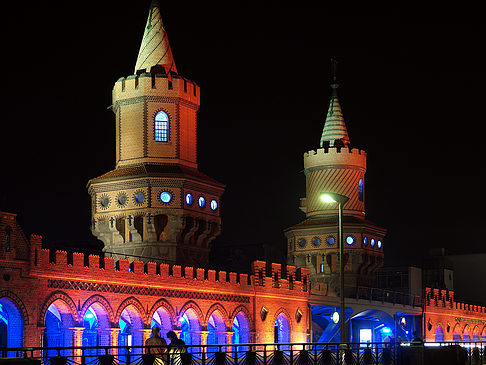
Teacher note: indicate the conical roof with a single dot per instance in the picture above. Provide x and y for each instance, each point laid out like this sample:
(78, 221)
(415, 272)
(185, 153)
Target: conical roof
(334, 126)
(155, 48)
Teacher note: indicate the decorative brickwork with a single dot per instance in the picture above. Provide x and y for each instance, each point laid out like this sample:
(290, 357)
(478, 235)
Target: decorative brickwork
(166, 293)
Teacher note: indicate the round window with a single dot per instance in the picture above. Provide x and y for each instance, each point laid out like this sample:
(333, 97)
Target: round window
(330, 240)
(213, 204)
(105, 201)
(201, 202)
(378, 244)
(365, 241)
(372, 242)
(350, 240)
(139, 197)
(189, 199)
(316, 241)
(121, 199)
(302, 242)
(165, 196)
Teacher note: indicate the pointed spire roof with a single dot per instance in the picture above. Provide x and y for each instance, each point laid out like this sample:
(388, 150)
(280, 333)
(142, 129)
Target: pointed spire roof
(334, 126)
(155, 48)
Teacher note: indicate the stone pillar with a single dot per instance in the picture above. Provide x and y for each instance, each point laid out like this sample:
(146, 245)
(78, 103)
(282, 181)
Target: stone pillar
(78, 342)
(229, 341)
(204, 341)
(114, 339)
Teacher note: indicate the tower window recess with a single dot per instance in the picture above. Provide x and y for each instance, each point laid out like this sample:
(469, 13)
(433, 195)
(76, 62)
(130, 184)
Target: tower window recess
(161, 125)
(360, 190)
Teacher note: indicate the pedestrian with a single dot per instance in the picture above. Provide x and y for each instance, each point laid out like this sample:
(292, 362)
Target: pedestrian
(175, 349)
(156, 345)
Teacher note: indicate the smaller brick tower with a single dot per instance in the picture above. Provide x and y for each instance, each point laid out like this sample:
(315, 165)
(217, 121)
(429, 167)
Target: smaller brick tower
(338, 168)
(155, 205)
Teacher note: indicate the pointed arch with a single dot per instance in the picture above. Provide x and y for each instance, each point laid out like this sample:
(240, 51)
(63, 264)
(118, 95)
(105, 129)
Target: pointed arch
(218, 308)
(246, 312)
(457, 333)
(18, 302)
(284, 311)
(192, 305)
(476, 335)
(58, 295)
(439, 333)
(132, 301)
(162, 303)
(466, 333)
(102, 302)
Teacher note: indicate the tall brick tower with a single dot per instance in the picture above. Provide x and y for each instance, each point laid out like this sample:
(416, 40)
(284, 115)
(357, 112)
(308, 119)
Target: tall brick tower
(155, 204)
(313, 243)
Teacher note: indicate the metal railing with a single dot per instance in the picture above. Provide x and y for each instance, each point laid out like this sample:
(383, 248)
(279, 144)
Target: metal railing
(241, 354)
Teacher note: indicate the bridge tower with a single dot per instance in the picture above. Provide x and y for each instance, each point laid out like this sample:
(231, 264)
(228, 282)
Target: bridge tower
(335, 167)
(156, 205)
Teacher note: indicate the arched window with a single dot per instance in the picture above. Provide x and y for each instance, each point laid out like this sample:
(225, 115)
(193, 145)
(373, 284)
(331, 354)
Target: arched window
(360, 190)
(439, 334)
(161, 127)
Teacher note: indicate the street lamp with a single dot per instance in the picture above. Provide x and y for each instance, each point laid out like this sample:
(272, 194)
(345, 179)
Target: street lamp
(340, 200)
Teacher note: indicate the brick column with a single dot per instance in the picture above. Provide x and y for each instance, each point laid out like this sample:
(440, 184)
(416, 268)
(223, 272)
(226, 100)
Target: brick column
(114, 339)
(78, 342)
(204, 340)
(229, 341)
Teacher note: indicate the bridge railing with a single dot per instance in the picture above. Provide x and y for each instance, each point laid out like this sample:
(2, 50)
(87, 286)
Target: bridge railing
(231, 354)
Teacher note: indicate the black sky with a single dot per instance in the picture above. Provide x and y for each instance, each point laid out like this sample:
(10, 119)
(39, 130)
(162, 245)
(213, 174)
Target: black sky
(412, 93)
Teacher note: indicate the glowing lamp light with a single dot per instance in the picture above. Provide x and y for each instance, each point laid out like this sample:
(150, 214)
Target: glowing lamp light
(89, 316)
(335, 317)
(326, 198)
(386, 330)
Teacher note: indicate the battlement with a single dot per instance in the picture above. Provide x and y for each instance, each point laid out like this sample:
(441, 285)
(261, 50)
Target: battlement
(93, 267)
(156, 84)
(445, 299)
(335, 157)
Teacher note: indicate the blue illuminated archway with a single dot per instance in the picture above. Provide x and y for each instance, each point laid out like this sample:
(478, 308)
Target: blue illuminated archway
(282, 329)
(59, 325)
(190, 329)
(439, 334)
(241, 331)
(217, 333)
(11, 325)
(163, 320)
(131, 333)
(96, 331)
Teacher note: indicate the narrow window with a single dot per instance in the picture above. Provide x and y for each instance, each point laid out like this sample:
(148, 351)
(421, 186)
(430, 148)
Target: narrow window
(161, 125)
(7, 239)
(360, 190)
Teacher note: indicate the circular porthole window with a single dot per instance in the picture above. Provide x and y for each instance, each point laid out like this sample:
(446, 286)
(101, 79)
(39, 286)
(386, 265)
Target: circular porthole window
(213, 205)
(121, 199)
(372, 242)
(379, 244)
(139, 197)
(165, 197)
(105, 201)
(189, 199)
(316, 241)
(330, 240)
(201, 202)
(365, 241)
(350, 240)
(302, 242)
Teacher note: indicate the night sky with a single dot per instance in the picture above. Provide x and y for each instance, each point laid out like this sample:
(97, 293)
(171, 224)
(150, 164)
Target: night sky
(411, 90)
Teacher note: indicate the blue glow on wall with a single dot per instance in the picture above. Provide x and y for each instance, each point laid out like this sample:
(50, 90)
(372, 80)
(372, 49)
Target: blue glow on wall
(11, 325)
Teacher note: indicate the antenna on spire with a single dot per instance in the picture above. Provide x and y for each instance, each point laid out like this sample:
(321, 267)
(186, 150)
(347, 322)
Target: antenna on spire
(334, 64)
(334, 84)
